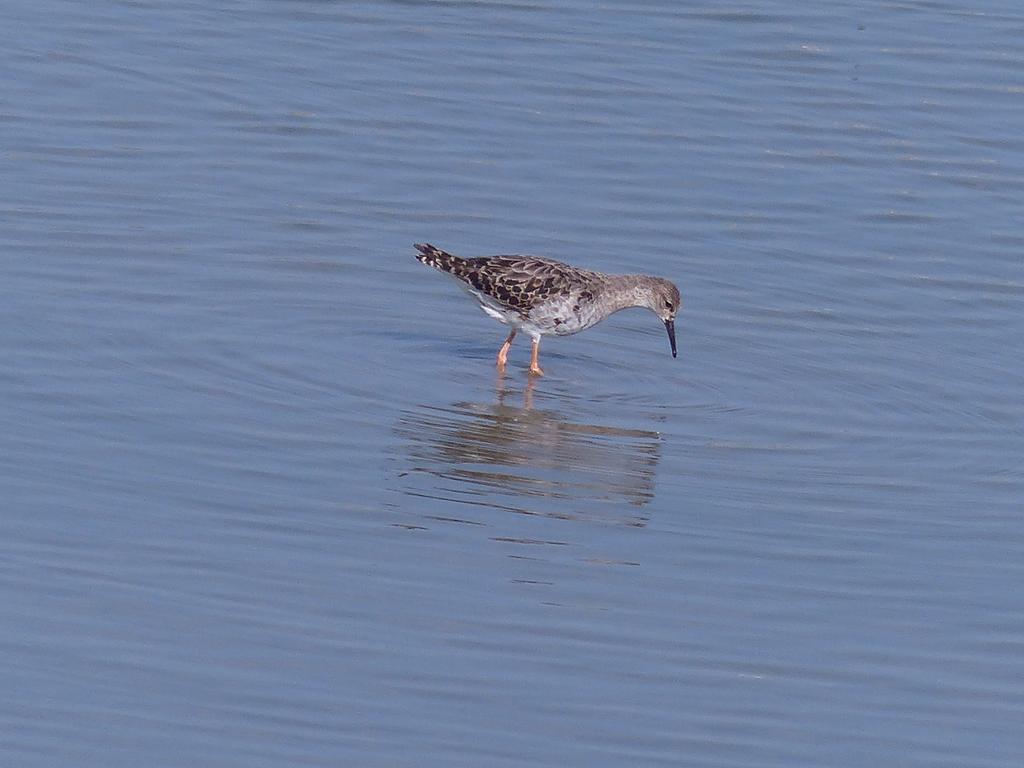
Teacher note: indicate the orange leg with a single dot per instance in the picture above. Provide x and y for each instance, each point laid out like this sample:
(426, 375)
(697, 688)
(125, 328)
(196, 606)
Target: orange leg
(503, 352)
(534, 367)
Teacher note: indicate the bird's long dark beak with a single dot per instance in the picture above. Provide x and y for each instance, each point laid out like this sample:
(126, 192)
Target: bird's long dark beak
(670, 326)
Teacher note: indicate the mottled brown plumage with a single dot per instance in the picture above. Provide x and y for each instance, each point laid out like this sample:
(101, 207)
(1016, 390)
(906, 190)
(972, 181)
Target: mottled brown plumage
(519, 282)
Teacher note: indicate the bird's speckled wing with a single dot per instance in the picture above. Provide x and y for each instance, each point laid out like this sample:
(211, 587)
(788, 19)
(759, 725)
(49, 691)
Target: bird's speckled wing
(519, 282)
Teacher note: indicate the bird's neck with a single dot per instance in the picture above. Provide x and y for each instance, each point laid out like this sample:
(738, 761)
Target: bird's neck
(626, 291)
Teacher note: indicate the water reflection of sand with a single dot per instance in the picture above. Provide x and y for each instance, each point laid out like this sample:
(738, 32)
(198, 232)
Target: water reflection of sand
(528, 460)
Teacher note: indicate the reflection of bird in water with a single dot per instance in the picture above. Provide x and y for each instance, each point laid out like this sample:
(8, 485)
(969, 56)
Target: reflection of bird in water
(528, 460)
(543, 297)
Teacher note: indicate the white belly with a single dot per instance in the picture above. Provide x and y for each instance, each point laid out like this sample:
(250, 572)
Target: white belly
(507, 316)
(498, 315)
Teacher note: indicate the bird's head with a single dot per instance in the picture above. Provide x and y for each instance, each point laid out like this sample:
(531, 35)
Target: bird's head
(663, 299)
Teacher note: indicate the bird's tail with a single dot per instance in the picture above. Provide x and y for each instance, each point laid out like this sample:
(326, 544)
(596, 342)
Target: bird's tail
(438, 259)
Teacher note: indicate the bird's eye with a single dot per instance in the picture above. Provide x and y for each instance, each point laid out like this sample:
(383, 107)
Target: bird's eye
(668, 305)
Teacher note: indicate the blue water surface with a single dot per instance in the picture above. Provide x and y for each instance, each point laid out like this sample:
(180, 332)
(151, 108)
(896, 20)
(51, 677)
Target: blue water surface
(266, 501)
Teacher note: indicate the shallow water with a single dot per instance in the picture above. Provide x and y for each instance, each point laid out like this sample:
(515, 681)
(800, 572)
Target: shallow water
(267, 501)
